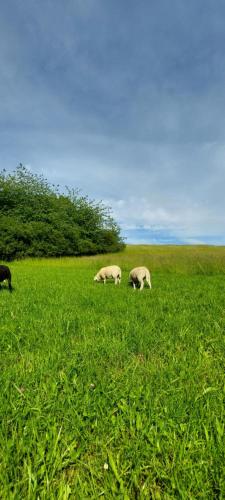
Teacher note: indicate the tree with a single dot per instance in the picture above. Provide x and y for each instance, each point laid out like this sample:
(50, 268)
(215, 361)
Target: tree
(37, 220)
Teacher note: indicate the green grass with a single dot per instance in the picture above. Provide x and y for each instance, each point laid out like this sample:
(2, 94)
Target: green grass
(109, 392)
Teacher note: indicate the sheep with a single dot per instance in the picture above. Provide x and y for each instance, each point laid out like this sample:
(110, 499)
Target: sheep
(138, 275)
(5, 274)
(109, 272)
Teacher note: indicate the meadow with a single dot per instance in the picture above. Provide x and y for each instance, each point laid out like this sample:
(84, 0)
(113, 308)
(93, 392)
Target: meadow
(110, 392)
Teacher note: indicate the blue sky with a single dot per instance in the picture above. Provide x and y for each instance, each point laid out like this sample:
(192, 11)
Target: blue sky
(124, 100)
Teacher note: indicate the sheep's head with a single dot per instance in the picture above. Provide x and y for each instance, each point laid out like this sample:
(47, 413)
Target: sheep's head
(97, 278)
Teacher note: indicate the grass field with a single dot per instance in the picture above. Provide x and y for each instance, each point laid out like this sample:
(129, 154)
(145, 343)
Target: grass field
(109, 392)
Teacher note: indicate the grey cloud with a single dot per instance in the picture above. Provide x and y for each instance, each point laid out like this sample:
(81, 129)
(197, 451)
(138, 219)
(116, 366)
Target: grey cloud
(124, 100)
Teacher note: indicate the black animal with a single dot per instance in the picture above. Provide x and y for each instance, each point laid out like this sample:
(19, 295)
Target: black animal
(5, 274)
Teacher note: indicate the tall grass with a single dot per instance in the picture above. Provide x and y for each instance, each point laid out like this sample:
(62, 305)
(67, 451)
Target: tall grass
(110, 392)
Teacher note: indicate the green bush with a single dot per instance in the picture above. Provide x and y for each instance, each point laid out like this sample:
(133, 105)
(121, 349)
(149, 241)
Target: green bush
(36, 220)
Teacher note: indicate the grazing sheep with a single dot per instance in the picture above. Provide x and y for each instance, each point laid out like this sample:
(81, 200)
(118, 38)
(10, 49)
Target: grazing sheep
(109, 272)
(5, 274)
(138, 275)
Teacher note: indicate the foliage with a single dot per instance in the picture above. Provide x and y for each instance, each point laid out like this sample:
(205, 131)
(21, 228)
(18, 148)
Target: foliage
(37, 220)
(107, 392)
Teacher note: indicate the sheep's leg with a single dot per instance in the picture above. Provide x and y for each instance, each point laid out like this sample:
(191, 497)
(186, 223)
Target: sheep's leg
(149, 283)
(116, 281)
(134, 286)
(104, 280)
(142, 285)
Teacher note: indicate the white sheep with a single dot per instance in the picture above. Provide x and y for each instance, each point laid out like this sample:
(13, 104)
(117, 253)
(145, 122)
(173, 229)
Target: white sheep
(109, 272)
(138, 275)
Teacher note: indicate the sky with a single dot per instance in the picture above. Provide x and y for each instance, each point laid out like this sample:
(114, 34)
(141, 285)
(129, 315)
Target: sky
(125, 100)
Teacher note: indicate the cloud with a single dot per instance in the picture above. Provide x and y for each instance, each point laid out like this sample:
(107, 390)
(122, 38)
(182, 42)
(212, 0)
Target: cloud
(123, 100)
